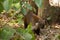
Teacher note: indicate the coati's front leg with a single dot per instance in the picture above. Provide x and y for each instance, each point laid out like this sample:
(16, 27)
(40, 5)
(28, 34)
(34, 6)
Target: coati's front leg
(39, 26)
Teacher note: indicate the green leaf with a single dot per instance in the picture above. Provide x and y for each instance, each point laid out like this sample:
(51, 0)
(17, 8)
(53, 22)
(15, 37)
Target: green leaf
(1, 7)
(28, 6)
(1, 0)
(19, 20)
(25, 34)
(17, 6)
(6, 33)
(20, 30)
(16, 1)
(24, 11)
(29, 28)
(7, 4)
(39, 3)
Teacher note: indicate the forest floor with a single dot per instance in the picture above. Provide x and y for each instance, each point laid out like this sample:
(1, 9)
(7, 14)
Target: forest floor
(52, 33)
(48, 33)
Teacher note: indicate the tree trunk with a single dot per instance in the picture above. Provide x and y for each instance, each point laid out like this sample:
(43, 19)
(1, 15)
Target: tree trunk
(44, 6)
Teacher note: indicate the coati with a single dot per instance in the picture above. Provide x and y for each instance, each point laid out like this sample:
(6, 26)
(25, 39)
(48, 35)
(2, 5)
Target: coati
(36, 21)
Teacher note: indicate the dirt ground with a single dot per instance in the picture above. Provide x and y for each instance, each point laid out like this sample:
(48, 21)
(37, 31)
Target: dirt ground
(49, 33)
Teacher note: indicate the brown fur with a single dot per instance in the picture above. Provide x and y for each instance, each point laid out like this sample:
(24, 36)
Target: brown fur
(36, 21)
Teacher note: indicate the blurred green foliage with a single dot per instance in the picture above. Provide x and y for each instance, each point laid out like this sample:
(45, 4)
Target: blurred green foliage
(6, 33)
(8, 8)
(39, 3)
